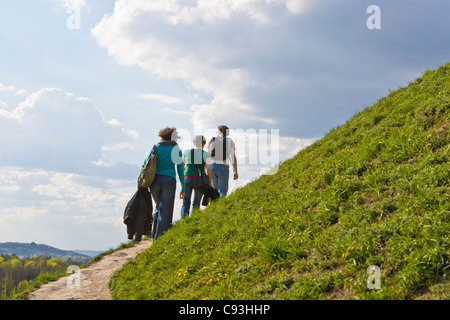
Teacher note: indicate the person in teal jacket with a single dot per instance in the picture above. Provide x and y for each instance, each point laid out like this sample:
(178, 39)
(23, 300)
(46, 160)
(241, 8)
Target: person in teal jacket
(168, 159)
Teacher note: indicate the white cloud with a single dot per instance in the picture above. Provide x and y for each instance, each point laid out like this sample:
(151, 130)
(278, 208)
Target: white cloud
(62, 209)
(9, 188)
(179, 112)
(48, 179)
(287, 64)
(290, 146)
(211, 11)
(233, 51)
(85, 195)
(166, 39)
(299, 6)
(22, 214)
(3, 105)
(72, 3)
(64, 170)
(56, 130)
(6, 88)
(21, 92)
(160, 98)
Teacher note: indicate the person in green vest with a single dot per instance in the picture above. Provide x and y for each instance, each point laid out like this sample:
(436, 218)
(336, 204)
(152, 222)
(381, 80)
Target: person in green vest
(192, 158)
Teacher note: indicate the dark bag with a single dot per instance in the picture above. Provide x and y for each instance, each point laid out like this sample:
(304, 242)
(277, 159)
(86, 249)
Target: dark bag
(211, 195)
(204, 185)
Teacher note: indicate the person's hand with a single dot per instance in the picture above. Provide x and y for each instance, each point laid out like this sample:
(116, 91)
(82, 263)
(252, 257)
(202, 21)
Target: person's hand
(181, 195)
(236, 176)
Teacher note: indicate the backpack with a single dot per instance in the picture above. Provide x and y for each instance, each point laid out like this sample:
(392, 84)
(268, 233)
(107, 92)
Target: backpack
(148, 171)
(204, 179)
(224, 152)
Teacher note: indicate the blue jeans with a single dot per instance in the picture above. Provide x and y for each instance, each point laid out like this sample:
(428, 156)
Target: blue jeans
(191, 184)
(220, 176)
(163, 193)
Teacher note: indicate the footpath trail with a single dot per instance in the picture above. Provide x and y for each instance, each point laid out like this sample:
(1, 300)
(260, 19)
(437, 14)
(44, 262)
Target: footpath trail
(94, 279)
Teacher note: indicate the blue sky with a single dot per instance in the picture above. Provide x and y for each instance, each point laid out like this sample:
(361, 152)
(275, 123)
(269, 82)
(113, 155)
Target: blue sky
(81, 107)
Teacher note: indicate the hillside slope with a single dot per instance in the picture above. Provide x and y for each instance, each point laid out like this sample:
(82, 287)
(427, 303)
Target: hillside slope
(374, 191)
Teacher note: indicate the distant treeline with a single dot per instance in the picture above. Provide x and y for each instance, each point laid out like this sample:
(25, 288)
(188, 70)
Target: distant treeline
(16, 273)
(33, 249)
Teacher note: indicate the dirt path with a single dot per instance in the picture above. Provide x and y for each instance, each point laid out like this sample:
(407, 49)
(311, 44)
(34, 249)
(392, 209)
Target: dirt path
(93, 284)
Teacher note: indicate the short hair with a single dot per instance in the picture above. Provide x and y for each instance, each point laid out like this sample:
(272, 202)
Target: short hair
(169, 134)
(224, 130)
(199, 141)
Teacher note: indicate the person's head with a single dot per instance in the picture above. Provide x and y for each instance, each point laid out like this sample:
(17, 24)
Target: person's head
(199, 142)
(169, 134)
(223, 130)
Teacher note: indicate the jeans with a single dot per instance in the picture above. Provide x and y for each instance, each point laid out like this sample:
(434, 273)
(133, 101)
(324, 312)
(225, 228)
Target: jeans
(163, 193)
(220, 176)
(191, 184)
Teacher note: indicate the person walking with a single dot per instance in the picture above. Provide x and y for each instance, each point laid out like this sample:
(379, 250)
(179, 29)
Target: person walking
(195, 159)
(168, 157)
(222, 150)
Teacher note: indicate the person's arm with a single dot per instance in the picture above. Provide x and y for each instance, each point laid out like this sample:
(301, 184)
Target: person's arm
(208, 159)
(234, 160)
(235, 176)
(180, 171)
(208, 169)
(208, 146)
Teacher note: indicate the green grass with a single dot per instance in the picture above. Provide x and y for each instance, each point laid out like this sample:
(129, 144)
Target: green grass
(374, 191)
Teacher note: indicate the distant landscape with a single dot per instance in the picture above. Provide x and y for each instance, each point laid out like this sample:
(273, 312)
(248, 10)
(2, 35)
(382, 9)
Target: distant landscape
(27, 250)
(25, 265)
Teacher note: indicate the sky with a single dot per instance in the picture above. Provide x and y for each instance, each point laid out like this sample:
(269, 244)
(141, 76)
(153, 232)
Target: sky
(85, 86)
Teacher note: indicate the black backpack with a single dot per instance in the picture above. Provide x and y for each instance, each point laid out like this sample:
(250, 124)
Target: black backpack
(204, 179)
(224, 152)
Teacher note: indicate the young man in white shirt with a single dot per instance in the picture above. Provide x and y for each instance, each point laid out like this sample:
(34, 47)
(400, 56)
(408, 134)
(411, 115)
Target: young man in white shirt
(223, 153)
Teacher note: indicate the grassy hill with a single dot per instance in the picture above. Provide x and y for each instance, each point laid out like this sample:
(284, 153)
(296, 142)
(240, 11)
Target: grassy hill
(374, 191)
